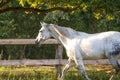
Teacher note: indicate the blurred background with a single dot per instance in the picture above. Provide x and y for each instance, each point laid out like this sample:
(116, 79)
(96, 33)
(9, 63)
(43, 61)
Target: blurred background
(20, 19)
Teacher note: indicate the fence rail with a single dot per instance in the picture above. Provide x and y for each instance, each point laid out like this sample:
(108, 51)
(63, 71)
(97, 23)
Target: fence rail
(48, 62)
(24, 41)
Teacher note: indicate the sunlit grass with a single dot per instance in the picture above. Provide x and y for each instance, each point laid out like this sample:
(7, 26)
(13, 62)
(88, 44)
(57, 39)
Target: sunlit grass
(27, 73)
(95, 72)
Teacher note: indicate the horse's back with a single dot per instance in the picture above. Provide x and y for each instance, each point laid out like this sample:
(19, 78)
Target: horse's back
(109, 34)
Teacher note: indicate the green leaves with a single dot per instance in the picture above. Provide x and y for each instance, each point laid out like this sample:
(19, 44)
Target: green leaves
(55, 16)
(0, 1)
(32, 3)
(22, 2)
(99, 8)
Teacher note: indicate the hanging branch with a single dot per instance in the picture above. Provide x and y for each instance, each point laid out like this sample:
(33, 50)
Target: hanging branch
(38, 10)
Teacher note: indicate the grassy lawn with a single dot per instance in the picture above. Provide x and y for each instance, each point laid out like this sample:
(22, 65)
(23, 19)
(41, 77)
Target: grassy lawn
(95, 72)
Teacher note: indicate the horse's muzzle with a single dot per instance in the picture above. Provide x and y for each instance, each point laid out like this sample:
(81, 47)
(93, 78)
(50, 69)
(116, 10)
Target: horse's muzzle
(37, 42)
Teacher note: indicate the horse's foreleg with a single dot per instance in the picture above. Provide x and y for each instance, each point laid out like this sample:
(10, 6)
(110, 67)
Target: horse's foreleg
(81, 67)
(68, 65)
(113, 76)
(114, 61)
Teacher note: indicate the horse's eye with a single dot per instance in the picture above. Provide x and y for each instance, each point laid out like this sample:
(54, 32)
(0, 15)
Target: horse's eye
(41, 31)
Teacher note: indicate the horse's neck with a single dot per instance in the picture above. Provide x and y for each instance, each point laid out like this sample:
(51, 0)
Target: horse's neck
(59, 32)
(58, 35)
(63, 34)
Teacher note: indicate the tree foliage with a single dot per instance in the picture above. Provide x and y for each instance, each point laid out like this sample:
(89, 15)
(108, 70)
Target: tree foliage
(99, 8)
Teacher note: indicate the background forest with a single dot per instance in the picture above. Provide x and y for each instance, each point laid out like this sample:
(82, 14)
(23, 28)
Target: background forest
(21, 19)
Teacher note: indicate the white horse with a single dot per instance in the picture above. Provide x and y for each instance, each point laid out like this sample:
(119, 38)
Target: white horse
(80, 45)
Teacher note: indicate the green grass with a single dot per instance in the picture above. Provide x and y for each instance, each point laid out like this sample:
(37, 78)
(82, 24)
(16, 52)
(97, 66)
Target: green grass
(49, 73)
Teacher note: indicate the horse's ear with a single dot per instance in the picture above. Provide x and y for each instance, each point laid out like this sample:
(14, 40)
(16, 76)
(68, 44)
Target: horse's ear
(41, 23)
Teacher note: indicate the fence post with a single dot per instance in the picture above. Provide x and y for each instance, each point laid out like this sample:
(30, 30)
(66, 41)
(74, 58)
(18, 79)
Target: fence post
(59, 51)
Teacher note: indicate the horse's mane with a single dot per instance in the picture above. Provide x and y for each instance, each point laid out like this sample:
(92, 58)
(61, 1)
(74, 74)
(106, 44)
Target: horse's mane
(68, 32)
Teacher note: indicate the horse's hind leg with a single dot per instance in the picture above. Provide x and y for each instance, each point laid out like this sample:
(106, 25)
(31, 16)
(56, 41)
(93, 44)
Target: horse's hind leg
(81, 67)
(114, 61)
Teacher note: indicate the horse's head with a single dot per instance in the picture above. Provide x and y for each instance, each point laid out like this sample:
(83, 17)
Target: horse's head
(43, 34)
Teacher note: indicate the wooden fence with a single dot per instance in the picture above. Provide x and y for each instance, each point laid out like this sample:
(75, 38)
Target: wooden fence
(58, 61)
